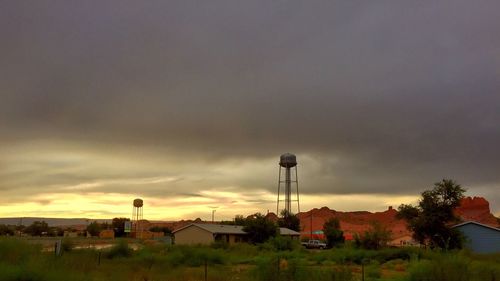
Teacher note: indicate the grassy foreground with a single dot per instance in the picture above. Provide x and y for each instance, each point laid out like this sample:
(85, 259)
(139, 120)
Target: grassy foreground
(20, 260)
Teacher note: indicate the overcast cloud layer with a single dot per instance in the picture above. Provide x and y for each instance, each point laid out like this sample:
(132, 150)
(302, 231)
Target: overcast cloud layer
(187, 99)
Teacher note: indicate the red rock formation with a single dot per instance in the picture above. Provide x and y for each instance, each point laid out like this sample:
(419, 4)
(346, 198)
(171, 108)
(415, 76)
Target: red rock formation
(476, 209)
(351, 222)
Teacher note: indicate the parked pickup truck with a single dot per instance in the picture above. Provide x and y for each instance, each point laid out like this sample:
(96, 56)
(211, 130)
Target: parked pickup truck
(314, 244)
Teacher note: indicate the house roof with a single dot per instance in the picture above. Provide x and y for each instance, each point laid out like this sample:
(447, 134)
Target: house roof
(230, 229)
(216, 228)
(476, 223)
(287, 231)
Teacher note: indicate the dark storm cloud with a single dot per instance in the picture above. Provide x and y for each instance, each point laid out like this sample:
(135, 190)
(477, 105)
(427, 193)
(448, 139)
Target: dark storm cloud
(384, 97)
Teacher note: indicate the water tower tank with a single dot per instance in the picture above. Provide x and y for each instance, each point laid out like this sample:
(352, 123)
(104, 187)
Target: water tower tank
(138, 203)
(288, 160)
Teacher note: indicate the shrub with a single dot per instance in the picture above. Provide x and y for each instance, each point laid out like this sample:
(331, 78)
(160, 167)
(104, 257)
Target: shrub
(146, 258)
(278, 268)
(342, 273)
(281, 268)
(396, 264)
(40, 270)
(220, 244)
(194, 256)
(372, 271)
(485, 270)
(121, 249)
(15, 251)
(280, 243)
(67, 245)
(375, 238)
(442, 268)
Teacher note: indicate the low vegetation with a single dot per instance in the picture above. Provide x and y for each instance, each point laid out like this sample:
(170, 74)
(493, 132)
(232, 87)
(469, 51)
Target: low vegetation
(278, 259)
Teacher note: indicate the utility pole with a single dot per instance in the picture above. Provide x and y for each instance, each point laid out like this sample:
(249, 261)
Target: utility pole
(311, 224)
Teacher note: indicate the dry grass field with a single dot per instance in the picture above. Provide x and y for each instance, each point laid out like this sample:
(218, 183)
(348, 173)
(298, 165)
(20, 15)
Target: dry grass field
(32, 259)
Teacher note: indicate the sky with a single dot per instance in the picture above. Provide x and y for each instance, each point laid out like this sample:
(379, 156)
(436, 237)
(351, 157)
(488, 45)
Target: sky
(189, 104)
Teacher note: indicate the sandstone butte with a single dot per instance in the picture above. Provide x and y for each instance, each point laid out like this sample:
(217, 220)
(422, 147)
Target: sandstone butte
(470, 209)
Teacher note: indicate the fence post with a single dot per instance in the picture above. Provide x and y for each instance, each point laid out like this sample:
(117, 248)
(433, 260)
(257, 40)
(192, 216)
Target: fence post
(58, 248)
(363, 262)
(206, 270)
(278, 272)
(362, 271)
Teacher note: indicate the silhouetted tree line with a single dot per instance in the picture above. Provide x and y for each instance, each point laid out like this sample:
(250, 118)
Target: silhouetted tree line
(166, 230)
(7, 229)
(260, 229)
(37, 228)
(117, 225)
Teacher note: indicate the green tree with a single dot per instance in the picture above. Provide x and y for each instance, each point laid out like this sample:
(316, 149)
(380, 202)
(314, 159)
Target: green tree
(37, 228)
(430, 220)
(289, 220)
(239, 220)
(118, 225)
(259, 228)
(94, 228)
(374, 238)
(334, 235)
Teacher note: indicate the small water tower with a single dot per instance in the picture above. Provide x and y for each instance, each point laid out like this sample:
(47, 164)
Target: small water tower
(287, 179)
(137, 216)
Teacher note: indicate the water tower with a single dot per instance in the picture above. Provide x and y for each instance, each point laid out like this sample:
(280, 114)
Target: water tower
(286, 182)
(137, 216)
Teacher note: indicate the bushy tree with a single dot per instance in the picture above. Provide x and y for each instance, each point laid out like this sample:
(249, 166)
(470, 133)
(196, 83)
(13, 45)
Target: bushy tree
(118, 225)
(334, 235)
(430, 221)
(37, 228)
(94, 228)
(239, 220)
(56, 231)
(374, 238)
(289, 220)
(259, 228)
